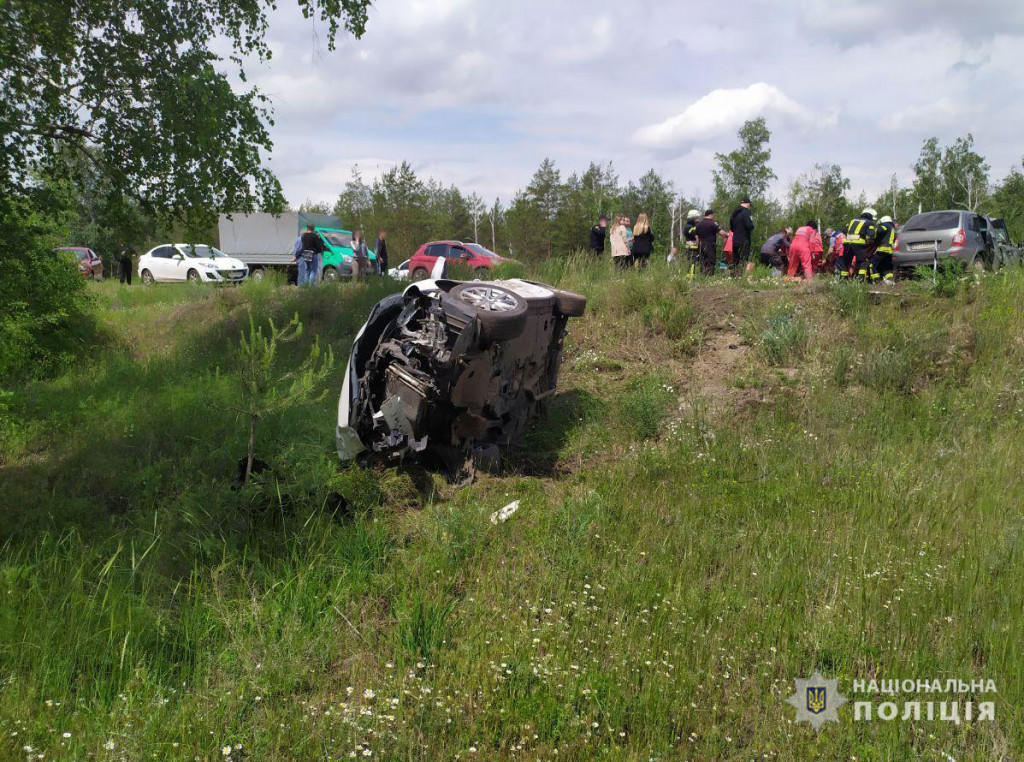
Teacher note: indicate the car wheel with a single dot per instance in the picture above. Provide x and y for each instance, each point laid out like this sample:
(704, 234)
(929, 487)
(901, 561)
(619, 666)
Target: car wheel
(193, 276)
(256, 274)
(419, 274)
(570, 303)
(501, 313)
(978, 264)
(147, 278)
(330, 274)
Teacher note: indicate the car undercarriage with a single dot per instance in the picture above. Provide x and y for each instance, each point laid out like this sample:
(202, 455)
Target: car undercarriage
(452, 372)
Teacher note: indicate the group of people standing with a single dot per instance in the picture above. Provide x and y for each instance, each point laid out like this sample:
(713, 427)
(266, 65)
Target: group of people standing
(307, 255)
(863, 249)
(631, 246)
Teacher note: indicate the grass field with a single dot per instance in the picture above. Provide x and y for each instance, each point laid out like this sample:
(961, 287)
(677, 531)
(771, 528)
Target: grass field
(738, 483)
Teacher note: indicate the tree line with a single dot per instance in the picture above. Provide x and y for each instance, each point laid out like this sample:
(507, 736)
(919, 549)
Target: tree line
(552, 214)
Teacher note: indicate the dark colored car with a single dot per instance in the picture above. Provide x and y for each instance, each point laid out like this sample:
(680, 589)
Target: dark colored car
(472, 255)
(449, 371)
(88, 262)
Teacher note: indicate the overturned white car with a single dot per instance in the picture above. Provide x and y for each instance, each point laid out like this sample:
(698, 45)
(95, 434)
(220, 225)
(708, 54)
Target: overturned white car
(450, 371)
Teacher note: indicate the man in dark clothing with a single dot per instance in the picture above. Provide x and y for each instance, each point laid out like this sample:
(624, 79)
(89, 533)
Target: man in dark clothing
(775, 250)
(381, 247)
(707, 250)
(742, 226)
(597, 235)
(312, 249)
(125, 265)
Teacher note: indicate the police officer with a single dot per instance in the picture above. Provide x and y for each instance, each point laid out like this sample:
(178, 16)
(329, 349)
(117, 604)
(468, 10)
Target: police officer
(881, 261)
(690, 239)
(859, 239)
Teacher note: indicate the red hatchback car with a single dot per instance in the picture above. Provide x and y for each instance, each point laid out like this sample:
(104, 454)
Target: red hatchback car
(473, 255)
(88, 261)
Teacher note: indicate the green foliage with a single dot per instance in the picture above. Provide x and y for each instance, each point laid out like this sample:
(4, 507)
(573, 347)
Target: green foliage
(745, 171)
(45, 313)
(266, 387)
(851, 297)
(644, 406)
(946, 279)
(821, 195)
(952, 178)
(422, 624)
(91, 77)
(784, 335)
(145, 610)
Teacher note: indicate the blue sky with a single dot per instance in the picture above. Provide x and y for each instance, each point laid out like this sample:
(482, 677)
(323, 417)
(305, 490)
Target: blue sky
(476, 93)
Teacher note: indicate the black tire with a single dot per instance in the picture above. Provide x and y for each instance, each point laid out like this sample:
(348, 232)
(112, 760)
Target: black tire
(192, 276)
(330, 274)
(256, 274)
(500, 313)
(147, 278)
(419, 274)
(570, 303)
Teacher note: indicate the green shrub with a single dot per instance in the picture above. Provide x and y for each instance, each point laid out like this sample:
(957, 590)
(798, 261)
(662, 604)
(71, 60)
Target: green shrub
(851, 297)
(946, 280)
(422, 624)
(46, 315)
(889, 369)
(784, 335)
(644, 404)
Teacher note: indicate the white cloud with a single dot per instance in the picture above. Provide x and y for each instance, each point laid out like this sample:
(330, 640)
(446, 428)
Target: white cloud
(721, 112)
(473, 94)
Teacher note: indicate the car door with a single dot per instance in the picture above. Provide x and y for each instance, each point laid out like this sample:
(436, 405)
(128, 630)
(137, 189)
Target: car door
(977, 234)
(457, 255)
(160, 263)
(435, 250)
(179, 263)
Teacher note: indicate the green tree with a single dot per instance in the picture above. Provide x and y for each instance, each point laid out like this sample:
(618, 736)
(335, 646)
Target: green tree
(820, 195)
(964, 175)
(265, 387)
(1007, 201)
(745, 171)
(139, 89)
(400, 201)
(531, 218)
(928, 191)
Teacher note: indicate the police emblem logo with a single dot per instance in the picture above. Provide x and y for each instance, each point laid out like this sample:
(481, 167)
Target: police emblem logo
(816, 700)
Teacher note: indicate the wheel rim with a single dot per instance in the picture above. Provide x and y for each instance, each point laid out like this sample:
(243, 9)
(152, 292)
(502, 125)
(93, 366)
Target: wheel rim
(147, 276)
(193, 276)
(488, 298)
(258, 275)
(979, 264)
(330, 273)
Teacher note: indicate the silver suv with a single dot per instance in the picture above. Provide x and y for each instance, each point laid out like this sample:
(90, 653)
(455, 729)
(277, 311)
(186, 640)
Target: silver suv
(959, 235)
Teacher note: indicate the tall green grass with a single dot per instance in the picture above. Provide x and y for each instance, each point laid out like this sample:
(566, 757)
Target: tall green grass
(671, 568)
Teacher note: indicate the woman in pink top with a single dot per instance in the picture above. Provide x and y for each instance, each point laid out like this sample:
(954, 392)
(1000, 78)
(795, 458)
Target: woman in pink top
(727, 249)
(801, 248)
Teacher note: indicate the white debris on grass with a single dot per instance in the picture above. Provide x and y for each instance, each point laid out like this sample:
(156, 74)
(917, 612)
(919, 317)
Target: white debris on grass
(505, 513)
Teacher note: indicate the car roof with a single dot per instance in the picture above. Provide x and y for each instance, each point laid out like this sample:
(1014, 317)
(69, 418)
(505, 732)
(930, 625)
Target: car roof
(73, 248)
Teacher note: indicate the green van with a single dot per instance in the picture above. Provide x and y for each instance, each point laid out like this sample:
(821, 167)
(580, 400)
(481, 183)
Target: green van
(337, 259)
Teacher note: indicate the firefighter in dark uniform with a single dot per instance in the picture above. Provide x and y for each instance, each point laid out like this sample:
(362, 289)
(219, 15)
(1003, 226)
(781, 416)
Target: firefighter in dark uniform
(690, 239)
(858, 242)
(881, 262)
